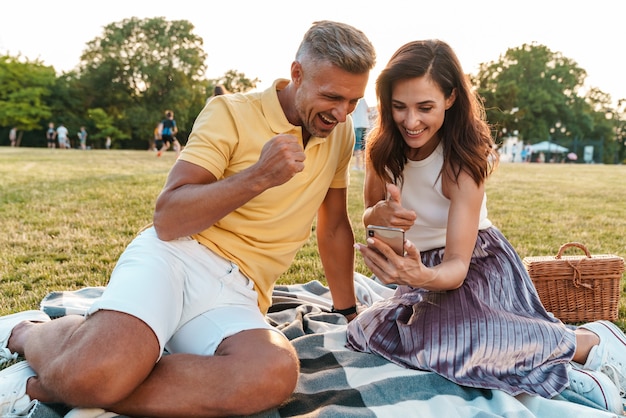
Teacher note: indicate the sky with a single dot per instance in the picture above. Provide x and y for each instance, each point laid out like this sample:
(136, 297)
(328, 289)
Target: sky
(259, 38)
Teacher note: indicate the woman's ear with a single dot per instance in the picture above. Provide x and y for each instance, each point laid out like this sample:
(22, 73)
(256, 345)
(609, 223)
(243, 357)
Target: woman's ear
(451, 99)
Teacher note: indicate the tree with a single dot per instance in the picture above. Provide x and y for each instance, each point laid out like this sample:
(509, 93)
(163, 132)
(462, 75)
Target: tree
(105, 126)
(605, 128)
(235, 82)
(619, 118)
(24, 87)
(67, 103)
(139, 68)
(126, 79)
(531, 89)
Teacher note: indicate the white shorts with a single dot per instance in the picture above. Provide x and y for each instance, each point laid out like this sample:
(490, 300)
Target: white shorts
(191, 298)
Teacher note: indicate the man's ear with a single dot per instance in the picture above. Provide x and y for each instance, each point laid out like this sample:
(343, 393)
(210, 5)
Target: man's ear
(296, 72)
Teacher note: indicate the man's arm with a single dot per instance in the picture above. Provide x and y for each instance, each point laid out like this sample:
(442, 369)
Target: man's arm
(336, 247)
(193, 200)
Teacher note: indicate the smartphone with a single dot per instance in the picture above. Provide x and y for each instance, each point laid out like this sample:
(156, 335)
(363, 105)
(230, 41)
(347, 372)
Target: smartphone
(394, 237)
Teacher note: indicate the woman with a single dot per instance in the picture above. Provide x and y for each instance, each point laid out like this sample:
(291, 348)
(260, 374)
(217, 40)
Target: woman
(465, 306)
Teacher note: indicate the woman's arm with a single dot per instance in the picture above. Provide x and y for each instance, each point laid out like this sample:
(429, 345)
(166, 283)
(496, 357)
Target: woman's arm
(462, 231)
(383, 204)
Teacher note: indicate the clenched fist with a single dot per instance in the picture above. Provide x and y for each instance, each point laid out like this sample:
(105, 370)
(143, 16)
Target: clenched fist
(282, 157)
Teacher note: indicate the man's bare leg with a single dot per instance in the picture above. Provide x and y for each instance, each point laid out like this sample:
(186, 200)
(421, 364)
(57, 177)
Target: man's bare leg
(252, 371)
(108, 361)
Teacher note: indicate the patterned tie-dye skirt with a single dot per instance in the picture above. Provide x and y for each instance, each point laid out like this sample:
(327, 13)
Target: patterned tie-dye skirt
(492, 332)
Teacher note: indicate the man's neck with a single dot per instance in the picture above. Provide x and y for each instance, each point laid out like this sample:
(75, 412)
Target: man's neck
(286, 98)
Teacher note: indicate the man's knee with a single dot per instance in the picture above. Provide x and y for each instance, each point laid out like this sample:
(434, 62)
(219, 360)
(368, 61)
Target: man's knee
(282, 372)
(270, 369)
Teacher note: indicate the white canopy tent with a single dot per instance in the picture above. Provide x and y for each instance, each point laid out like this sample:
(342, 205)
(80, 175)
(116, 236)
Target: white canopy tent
(547, 146)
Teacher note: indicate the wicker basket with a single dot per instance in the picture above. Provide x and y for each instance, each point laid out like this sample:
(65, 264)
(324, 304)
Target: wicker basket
(578, 288)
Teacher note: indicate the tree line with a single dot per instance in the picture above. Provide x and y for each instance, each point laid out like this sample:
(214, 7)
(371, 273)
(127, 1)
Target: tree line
(124, 81)
(137, 68)
(538, 93)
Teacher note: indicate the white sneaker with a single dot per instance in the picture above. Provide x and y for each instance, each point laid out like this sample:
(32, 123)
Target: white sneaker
(608, 357)
(7, 358)
(596, 387)
(14, 401)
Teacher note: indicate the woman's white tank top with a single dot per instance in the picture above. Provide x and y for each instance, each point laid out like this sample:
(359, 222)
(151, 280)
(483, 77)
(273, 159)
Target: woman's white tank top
(422, 193)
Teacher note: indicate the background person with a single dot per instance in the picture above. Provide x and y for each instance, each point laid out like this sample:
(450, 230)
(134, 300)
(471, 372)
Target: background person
(13, 136)
(157, 142)
(62, 137)
(361, 121)
(218, 90)
(82, 137)
(51, 136)
(167, 130)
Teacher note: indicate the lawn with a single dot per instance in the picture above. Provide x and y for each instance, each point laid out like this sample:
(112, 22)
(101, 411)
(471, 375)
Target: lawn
(66, 215)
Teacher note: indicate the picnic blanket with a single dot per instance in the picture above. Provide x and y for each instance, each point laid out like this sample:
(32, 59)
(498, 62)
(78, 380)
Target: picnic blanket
(337, 382)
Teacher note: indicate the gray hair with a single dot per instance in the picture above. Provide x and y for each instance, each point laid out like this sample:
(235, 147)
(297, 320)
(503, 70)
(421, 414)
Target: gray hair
(340, 44)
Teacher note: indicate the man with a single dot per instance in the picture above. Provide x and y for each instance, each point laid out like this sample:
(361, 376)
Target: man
(82, 137)
(236, 207)
(62, 137)
(51, 135)
(166, 130)
(13, 136)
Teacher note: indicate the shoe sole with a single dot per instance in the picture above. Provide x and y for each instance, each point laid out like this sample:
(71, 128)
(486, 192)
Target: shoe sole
(16, 318)
(604, 403)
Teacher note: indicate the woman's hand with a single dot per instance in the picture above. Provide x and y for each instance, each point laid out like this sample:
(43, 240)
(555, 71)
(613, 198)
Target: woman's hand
(390, 212)
(391, 268)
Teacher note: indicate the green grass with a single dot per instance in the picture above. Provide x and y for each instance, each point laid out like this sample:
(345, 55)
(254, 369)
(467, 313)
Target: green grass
(66, 216)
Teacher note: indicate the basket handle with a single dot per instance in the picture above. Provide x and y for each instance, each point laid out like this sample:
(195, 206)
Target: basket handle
(577, 279)
(573, 244)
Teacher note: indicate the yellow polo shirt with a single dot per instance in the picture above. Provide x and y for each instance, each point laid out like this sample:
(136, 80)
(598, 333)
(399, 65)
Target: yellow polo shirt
(263, 236)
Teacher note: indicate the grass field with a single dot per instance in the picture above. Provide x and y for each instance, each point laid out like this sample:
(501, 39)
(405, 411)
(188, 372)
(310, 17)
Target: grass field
(66, 215)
